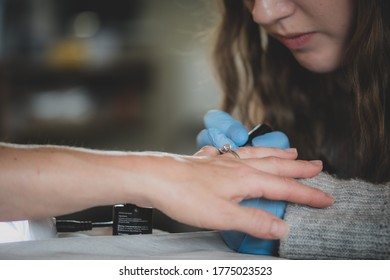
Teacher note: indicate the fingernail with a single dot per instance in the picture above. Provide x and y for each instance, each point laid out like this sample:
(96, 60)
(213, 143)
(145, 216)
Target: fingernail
(317, 162)
(331, 197)
(279, 229)
(291, 150)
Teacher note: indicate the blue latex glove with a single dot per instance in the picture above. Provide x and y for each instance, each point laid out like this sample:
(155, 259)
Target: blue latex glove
(222, 128)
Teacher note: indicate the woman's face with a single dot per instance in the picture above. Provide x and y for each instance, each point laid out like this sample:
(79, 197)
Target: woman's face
(315, 31)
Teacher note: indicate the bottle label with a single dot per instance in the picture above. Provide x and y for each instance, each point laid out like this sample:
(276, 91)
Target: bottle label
(131, 219)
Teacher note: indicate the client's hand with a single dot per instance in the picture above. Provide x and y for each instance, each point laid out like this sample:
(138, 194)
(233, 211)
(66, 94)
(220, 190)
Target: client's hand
(222, 128)
(206, 189)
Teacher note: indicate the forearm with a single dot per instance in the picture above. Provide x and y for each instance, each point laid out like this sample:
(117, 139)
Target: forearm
(357, 226)
(48, 181)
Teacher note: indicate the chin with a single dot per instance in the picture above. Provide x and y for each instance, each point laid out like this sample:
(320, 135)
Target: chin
(321, 69)
(318, 64)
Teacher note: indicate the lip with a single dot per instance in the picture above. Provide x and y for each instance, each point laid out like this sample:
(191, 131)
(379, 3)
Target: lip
(295, 41)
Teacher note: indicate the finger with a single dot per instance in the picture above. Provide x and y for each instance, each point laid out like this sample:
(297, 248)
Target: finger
(213, 137)
(276, 139)
(238, 133)
(228, 126)
(287, 189)
(203, 139)
(208, 151)
(253, 221)
(263, 152)
(218, 138)
(286, 167)
(261, 224)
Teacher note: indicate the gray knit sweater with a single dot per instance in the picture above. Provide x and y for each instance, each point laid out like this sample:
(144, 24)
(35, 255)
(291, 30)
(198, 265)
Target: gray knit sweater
(357, 226)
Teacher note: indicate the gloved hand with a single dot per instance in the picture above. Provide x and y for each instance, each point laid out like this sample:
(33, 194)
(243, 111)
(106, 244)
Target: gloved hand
(221, 129)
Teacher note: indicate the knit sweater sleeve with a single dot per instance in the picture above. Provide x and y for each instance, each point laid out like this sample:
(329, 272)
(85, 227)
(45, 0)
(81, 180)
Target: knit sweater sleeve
(357, 226)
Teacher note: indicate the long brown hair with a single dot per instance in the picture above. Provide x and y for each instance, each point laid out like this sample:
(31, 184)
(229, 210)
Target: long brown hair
(341, 118)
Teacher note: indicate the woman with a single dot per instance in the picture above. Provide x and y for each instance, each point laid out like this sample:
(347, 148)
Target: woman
(317, 70)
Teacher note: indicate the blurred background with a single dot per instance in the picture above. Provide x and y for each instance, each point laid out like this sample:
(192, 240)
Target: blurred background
(118, 75)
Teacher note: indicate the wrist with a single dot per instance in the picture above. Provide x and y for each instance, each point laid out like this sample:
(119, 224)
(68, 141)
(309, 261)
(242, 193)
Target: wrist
(151, 180)
(143, 178)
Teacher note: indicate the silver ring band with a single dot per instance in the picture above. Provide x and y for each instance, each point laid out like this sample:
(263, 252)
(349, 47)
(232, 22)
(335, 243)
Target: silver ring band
(227, 148)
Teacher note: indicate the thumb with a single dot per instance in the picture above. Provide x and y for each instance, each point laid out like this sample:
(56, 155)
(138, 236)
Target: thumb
(275, 139)
(256, 222)
(262, 224)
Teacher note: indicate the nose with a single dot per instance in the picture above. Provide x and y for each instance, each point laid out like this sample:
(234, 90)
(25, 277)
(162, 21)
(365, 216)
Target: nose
(267, 12)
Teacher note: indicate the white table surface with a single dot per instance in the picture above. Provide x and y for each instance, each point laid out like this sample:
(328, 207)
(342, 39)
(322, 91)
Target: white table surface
(194, 245)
